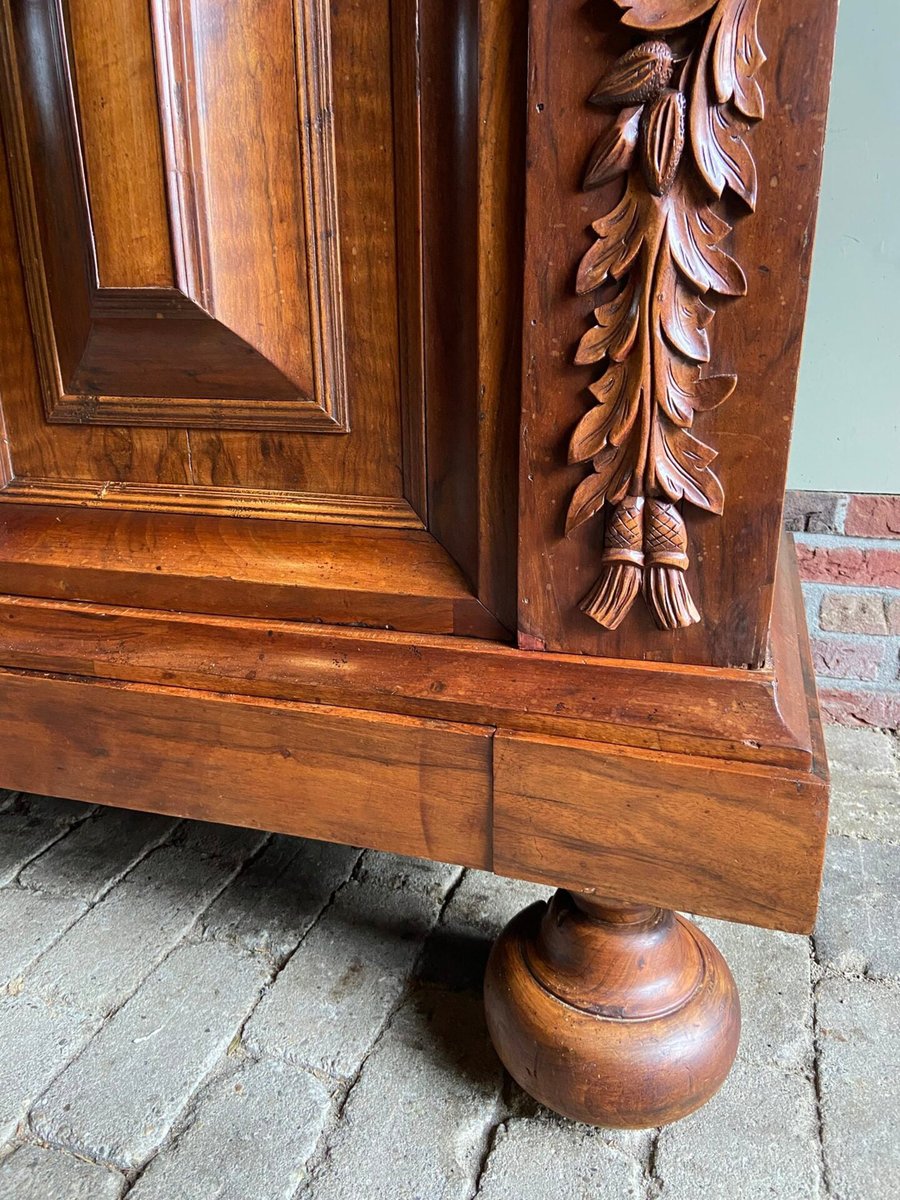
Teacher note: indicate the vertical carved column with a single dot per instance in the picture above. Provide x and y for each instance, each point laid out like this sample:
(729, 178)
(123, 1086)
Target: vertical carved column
(672, 185)
(683, 105)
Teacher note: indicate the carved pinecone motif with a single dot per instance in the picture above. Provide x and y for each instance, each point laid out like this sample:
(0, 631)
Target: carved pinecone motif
(625, 532)
(665, 536)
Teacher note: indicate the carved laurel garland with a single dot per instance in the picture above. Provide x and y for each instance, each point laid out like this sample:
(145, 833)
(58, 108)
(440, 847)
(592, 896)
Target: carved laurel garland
(684, 100)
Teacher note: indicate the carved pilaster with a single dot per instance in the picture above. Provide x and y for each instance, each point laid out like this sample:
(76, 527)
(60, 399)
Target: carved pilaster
(683, 100)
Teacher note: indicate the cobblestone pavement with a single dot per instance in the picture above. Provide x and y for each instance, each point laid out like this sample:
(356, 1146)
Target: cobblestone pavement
(190, 1012)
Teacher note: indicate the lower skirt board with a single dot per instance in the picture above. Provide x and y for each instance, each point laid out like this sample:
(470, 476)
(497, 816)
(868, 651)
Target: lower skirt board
(730, 840)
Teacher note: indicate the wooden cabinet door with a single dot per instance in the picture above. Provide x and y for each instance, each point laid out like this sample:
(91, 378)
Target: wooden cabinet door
(213, 354)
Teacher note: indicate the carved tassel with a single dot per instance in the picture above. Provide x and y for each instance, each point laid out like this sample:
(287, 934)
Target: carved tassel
(665, 587)
(623, 562)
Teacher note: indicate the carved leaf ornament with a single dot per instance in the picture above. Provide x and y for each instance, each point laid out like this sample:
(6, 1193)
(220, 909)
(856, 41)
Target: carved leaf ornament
(683, 101)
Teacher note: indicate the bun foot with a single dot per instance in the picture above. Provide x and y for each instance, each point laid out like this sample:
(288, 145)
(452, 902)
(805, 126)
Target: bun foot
(614, 1014)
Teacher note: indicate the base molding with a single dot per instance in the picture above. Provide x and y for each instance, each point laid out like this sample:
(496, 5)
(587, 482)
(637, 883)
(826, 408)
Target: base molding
(678, 822)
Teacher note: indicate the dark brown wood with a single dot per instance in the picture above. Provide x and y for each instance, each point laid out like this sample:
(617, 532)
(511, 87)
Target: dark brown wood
(727, 570)
(614, 1014)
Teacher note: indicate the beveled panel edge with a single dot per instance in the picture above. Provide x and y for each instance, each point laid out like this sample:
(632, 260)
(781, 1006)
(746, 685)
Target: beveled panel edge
(327, 410)
(312, 25)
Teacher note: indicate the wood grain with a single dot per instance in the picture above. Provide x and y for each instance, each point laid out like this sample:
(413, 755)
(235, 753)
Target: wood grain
(407, 786)
(733, 557)
(739, 842)
(343, 176)
(392, 578)
(618, 1015)
(749, 716)
(123, 154)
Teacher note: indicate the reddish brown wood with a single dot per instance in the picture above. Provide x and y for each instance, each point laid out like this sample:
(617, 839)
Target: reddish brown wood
(614, 1014)
(260, 516)
(681, 710)
(740, 842)
(166, 421)
(404, 785)
(722, 567)
(388, 578)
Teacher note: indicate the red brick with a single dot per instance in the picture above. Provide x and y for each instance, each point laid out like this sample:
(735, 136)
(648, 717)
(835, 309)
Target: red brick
(861, 567)
(853, 612)
(874, 516)
(839, 659)
(893, 615)
(878, 710)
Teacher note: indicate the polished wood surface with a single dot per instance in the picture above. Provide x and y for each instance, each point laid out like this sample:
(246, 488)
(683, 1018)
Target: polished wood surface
(248, 338)
(295, 394)
(613, 1014)
(339, 574)
(755, 338)
(743, 843)
(712, 835)
(400, 784)
(676, 709)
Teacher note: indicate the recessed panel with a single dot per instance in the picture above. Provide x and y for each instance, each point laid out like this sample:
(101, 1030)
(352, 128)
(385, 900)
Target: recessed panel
(191, 144)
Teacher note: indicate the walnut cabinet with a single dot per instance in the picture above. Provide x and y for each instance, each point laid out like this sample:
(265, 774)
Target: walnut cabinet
(395, 400)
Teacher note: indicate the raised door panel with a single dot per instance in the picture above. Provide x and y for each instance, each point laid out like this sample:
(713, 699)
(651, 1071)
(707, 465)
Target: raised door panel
(206, 201)
(223, 358)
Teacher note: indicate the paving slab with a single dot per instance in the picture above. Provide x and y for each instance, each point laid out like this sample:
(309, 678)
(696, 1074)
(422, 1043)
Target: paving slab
(865, 751)
(756, 1140)
(417, 1122)
(36, 1042)
(39, 1173)
(865, 783)
(275, 899)
(28, 825)
(859, 913)
(859, 1071)
(30, 923)
(104, 957)
(227, 842)
(457, 950)
(773, 973)
(334, 995)
(97, 853)
(118, 1101)
(543, 1159)
(250, 1135)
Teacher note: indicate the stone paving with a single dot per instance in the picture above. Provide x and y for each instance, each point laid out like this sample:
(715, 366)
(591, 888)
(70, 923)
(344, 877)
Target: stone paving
(197, 1013)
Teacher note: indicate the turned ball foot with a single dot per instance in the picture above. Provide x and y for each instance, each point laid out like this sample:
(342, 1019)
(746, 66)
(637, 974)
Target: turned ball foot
(614, 1014)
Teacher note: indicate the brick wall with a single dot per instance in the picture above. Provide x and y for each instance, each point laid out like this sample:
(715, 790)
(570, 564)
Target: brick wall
(848, 547)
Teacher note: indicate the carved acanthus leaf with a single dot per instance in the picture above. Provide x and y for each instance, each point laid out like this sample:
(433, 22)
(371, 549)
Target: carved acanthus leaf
(618, 239)
(679, 140)
(613, 151)
(662, 14)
